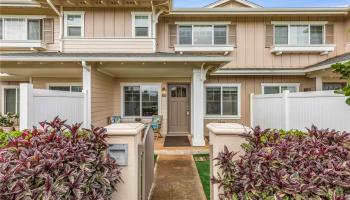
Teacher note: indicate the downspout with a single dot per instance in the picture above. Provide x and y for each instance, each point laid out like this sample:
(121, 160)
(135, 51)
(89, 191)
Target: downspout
(60, 15)
(154, 28)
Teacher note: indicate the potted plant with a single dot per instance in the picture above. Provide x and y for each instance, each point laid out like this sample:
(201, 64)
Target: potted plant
(7, 121)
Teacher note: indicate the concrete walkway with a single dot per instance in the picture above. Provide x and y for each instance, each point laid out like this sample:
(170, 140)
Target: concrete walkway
(176, 178)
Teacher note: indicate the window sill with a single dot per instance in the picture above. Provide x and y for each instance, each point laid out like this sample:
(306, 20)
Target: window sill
(221, 117)
(322, 49)
(204, 48)
(13, 44)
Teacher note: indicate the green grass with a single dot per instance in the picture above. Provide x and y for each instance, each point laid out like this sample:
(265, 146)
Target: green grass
(204, 172)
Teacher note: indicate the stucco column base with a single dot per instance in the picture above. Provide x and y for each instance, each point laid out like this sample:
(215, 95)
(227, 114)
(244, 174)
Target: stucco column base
(129, 134)
(220, 134)
(198, 142)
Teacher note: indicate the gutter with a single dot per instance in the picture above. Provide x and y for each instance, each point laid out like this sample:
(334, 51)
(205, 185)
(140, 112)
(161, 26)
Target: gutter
(259, 11)
(247, 72)
(115, 59)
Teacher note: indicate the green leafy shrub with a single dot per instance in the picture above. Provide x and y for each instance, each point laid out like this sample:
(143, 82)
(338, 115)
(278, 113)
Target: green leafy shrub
(5, 137)
(344, 70)
(47, 164)
(8, 120)
(312, 166)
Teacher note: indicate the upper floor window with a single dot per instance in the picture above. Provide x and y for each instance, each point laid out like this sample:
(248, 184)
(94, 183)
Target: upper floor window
(74, 24)
(299, 34)
(20, 28)
(202, 34)
(141, 24)
(277, 88)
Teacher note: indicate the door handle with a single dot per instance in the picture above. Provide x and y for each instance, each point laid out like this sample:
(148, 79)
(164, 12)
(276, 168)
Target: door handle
(187, 112)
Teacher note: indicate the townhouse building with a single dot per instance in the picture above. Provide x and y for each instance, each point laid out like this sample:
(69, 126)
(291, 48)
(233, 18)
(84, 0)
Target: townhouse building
(138, 58)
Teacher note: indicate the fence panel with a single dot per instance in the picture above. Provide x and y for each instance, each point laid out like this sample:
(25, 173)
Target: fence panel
(66, 105)
(267, 111)
(37, 105)
(300, 110)
(146, 163)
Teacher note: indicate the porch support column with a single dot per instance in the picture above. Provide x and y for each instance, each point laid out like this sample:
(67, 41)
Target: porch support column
(198, 107)
(319, 83)
(87, 96)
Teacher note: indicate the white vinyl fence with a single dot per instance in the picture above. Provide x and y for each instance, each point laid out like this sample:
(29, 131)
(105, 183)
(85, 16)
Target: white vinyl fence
(37, 105)
(300, 110)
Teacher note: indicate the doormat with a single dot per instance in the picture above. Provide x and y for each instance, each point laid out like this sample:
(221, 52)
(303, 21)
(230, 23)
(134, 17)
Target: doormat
(176, 141)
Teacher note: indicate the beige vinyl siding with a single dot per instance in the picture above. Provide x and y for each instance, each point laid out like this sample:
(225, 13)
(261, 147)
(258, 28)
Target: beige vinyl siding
(108, 45)
(252, 84)
(251, 51)
(102, 97)
(107, 22)
(108, 30)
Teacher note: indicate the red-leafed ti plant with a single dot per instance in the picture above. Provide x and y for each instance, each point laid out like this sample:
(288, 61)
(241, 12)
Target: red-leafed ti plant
(58, 162)
(311, 166)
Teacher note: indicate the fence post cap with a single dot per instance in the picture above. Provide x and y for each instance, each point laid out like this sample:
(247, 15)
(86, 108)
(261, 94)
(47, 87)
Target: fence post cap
(124, 128)
(228, 129)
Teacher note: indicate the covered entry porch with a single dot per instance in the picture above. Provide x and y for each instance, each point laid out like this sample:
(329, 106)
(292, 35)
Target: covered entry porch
(133, 86)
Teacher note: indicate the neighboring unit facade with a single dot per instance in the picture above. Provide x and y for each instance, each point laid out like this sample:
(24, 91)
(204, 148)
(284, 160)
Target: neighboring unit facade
(192, 66)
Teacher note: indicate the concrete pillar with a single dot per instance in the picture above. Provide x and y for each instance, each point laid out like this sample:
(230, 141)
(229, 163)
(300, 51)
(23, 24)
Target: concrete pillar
(127, 136)
(198, 108)
(87, 96)
(220, 134)
(26, 106)
(319, 83)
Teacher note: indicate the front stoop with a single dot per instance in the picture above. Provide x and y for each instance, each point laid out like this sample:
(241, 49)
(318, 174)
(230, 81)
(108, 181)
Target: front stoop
(176, 177)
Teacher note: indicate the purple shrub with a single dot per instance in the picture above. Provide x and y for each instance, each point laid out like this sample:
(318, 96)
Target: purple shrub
(313, 166)
(58, 162)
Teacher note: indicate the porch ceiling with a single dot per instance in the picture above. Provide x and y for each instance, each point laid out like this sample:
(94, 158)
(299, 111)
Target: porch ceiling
(148, 69)
(40, 69)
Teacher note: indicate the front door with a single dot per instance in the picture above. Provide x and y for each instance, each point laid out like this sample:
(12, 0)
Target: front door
(179, 109)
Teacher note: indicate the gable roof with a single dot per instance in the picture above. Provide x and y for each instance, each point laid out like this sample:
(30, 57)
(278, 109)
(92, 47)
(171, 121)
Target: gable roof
(244, 2)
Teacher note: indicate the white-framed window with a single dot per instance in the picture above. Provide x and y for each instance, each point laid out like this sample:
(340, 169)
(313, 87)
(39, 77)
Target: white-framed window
(299, 34)
(140, 100)
(141, 24)
(202, 34)
(68, 87)
(10, 101)
(222, 100)
(21, 28)
(277, 88)
(74, 24)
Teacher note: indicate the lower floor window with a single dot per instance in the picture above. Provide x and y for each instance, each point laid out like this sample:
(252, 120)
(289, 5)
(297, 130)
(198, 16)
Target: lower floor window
(222, 100)
(67, 88)
(279, 88)
(333, 86)
(141, 100)
(11, 100)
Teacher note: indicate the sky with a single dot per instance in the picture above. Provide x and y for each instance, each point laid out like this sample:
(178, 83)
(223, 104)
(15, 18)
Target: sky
(270, 3)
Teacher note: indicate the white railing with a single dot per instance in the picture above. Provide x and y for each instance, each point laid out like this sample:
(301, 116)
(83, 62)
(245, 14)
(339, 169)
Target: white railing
(38, 105)
(325, 109)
